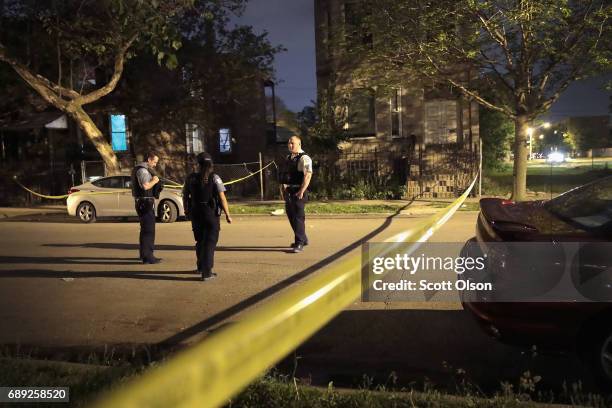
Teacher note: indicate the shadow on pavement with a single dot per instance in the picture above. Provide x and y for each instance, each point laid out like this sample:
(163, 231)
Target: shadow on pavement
(134, 247)
(237, 308)
(68, 260)
(63, 218)
(150, 275)
(442, 346)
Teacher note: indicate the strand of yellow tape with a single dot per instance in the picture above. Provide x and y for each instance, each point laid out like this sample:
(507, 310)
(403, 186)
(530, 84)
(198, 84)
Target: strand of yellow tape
(173, 185)
(210, 373)
(250, 175)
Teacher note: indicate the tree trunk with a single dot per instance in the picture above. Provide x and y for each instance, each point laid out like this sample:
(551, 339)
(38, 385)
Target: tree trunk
(97, 138)
(519, 190)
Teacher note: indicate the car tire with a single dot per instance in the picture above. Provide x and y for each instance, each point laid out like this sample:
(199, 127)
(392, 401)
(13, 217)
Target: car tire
(599, 355)
(86, 212)
(168, 211)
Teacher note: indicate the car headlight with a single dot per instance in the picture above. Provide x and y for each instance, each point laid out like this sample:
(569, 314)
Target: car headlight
(556, 157)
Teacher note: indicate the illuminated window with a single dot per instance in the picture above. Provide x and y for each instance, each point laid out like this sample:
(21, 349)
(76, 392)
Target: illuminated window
(194, 138)
(119, 134)
(225, 140)
(396, 97)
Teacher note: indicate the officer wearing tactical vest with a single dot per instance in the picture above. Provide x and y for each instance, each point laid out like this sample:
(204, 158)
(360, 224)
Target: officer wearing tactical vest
(145, 188)
(203, 199)
(296, 178)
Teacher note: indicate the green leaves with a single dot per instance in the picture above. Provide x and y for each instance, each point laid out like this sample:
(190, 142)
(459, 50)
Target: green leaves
(171, 61)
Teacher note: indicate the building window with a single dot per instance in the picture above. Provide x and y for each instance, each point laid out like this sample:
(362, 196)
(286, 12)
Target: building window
(119, 134)
(270, 108)
(225, 140)
(440, 122)
(396, 98)
(361, 113)
(355, 29)
(194, 138)
(362, 168)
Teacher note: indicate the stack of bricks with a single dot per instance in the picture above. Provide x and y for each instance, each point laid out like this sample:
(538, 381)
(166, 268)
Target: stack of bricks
(437, 186)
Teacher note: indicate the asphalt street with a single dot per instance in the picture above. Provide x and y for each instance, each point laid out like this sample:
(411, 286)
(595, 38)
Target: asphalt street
(65, 284)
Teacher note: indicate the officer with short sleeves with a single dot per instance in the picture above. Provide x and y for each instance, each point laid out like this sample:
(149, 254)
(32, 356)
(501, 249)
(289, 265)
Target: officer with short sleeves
(295, 181)
(203, 200)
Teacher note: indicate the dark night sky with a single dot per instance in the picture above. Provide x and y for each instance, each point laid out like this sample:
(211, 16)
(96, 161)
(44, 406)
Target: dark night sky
(291, 24)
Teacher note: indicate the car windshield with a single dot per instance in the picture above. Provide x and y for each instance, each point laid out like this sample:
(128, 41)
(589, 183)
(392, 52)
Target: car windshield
(109, 182)
(588, 206)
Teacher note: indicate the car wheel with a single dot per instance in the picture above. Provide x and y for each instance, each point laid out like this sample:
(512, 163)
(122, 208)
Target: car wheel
(168, 212)
(86, 212)
(599, 355)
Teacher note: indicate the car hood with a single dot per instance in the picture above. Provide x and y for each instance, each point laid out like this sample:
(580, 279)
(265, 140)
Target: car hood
(528, 219)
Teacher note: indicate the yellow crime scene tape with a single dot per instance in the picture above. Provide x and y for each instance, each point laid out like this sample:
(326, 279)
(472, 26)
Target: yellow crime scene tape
(173, 185)
(210, 373)
(250, 175)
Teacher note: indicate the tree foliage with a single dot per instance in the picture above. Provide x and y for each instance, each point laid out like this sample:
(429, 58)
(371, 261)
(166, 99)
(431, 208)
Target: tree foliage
(496, 131)
(74, 52)
(527, 51)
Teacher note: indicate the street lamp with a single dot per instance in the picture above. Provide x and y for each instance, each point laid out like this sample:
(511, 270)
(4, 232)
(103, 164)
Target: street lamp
(530, 130)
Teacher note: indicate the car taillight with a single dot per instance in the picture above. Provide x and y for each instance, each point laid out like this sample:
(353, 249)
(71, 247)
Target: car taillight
(73, 190)
(507, 202)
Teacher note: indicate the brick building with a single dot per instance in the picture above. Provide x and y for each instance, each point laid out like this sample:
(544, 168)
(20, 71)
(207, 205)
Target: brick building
(428, 136)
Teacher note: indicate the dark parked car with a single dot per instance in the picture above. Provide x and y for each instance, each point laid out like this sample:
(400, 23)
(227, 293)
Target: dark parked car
(581, 321)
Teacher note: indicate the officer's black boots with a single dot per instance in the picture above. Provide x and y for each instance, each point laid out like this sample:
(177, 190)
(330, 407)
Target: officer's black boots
(208, 276)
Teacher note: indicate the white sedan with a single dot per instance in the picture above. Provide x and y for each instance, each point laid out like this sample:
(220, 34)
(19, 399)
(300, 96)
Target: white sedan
(112, 197)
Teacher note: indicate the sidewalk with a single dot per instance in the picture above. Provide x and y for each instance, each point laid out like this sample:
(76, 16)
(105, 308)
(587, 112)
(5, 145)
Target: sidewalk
(8, 212)
(415, 207)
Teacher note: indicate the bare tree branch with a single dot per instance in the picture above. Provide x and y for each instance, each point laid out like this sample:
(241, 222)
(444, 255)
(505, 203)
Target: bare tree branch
(42, 81)
(449, 78)
(110, 86)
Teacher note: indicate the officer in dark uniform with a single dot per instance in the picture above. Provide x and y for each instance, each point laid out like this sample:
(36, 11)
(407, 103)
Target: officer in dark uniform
(203, 199)
(145, 185)
(296, 179)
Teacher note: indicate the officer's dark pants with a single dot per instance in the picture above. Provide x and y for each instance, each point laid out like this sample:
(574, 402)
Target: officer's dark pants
(146, 215)
(205, 225)
(294, 208)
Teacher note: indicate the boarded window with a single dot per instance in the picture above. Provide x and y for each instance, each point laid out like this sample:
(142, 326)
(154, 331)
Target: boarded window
(440, 122)
(356, 14)
(361, 113)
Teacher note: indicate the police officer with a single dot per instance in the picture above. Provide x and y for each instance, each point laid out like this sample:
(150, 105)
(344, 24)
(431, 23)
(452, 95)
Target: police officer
(297, 175)
(144, 186)
(203, 199)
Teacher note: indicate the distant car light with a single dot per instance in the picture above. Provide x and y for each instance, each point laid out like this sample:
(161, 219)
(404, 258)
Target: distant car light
(556, 157)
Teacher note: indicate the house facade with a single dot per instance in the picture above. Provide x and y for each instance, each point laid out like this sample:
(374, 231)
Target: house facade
(49, 153)
(426, 137)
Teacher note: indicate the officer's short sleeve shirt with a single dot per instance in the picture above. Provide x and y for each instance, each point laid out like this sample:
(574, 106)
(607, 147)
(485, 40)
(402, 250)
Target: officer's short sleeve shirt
(143, 176)
(219, 183)
(305, 164)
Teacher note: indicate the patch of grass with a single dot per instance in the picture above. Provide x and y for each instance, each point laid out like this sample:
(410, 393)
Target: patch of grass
(275, 392)
(466, 206)
(319, 208)
(544, 179)
(85, 381)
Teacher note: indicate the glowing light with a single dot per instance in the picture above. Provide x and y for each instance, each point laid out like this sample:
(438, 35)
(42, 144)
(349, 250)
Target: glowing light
(556, 157)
